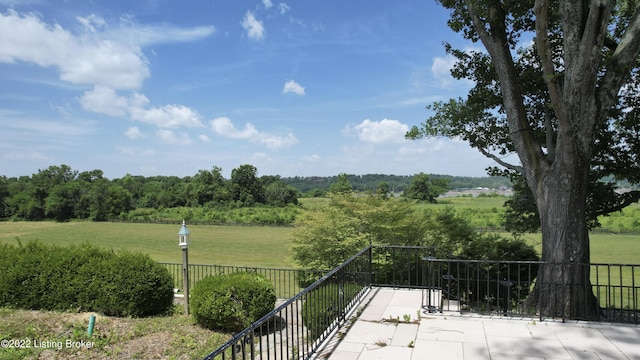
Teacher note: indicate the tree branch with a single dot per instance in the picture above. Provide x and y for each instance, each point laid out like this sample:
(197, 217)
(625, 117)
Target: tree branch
(622, 61)
(623, 200)
(500, 161)
(544, 52)
(497, 44)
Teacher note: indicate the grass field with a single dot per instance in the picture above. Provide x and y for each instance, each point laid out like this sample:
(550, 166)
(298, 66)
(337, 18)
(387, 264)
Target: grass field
(238, 245)
(220, 245)
(269, 246)
(605, 248)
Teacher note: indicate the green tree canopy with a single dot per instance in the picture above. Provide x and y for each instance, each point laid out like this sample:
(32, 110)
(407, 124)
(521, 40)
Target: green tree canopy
(325, 237)
(341, 185)
(422, 188)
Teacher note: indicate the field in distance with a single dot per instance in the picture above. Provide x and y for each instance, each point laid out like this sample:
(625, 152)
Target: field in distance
(263, 246)
(258, 246)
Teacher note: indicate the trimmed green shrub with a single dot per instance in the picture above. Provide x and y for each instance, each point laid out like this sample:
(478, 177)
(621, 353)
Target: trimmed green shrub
(129, 284)
(231, 302)
(86, 278)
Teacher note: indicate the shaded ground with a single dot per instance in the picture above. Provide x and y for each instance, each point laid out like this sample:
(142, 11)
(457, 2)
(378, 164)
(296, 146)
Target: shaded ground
(52, 335)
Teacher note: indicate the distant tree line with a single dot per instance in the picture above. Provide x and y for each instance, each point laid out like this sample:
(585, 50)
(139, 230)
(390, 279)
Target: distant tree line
(60, 193)
(320, 185)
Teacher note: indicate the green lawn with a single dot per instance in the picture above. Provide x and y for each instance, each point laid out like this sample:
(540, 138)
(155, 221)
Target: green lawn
(238, 245)
(605, 248)
(221, 245)
(269, 246)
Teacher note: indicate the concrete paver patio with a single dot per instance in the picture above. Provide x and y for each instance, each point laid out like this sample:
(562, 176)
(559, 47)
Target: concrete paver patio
(393, 325)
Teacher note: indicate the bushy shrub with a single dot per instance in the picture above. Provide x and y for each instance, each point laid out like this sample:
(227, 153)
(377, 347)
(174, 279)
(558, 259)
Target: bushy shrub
(128, 284)
(231, 302)
(85, 278)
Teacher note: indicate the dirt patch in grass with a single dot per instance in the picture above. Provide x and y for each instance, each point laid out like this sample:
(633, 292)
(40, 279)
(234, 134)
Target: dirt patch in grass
(54, 335)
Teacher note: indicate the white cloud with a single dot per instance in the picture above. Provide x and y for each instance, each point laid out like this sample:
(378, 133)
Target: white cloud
(441, 69)
(106, 101)
(79, 60)
(379, 132)
(260, 157)
(125, 150)
(253, 26)
(312, 158)
(134, 133)
(283, 7)
(100, 56)
(25, 155)
(267, 3)
(204, 138)
(442, 66)
(224, 127)
(170, 137)
(293, 87)
(145, 35)
(168, 116)
(92, 22)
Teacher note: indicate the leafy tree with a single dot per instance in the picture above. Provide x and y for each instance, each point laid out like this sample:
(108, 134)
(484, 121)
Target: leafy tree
(118, 200)
(22, 205)
(341, 185)
(566, 105)
(327, 236)
(383, 189)
(135, 186)
(97, 199)
(222, 192)
(246, 185)
(62, 201)
(449, 232)
(422, 188)
(61, 193)
(521, 214)
(209, 187)
(278, 193)
(4, 197)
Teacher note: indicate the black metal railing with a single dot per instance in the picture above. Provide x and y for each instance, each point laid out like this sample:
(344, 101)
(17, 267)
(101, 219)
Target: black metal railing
(298, 327)
(399, 266)
(287, 282)
(480, 286)
(505, 287)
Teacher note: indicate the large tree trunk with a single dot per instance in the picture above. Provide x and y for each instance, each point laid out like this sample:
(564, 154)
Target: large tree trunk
(563, 287)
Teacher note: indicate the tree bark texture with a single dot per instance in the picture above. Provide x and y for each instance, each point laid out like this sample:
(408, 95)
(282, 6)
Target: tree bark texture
(563, 286)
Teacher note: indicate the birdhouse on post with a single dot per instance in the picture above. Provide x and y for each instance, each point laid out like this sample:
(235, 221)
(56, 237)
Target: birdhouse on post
(183, 236)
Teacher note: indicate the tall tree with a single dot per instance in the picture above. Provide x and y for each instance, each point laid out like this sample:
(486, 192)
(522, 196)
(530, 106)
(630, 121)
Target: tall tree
(4, 196)
(246, 185)
(566, 105)
(341, 185)
(324, 237)
(422, 188)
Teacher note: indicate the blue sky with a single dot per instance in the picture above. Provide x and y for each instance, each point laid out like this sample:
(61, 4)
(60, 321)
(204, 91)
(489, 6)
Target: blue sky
(171, 87)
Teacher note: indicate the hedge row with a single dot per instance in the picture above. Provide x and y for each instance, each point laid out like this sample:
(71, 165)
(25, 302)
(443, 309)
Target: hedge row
(83, 278)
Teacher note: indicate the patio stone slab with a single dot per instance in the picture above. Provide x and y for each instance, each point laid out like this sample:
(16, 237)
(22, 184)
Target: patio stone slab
(383, 332)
